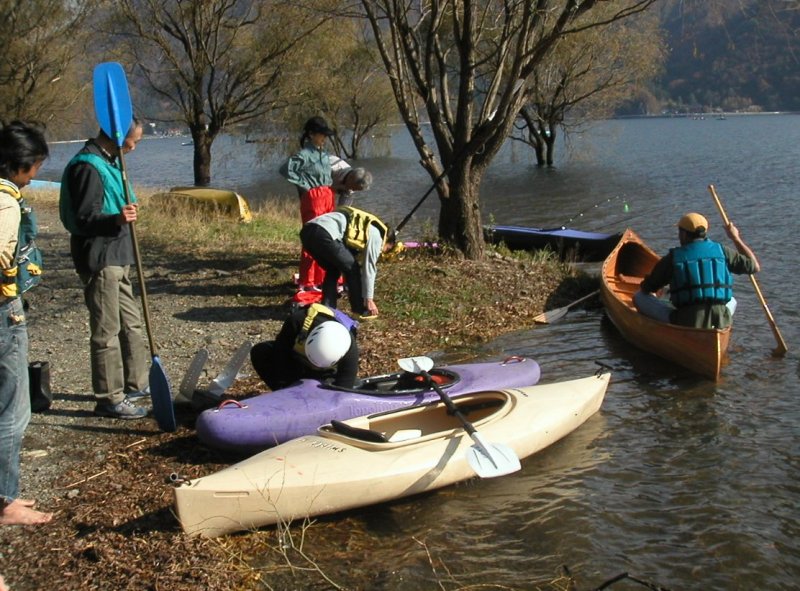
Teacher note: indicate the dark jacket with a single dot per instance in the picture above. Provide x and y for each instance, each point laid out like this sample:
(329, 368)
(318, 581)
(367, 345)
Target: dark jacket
(101, 242)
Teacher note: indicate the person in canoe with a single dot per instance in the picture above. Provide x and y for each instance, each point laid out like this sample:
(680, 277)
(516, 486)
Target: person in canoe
(348, 242)
(700, 277)
(314, 342)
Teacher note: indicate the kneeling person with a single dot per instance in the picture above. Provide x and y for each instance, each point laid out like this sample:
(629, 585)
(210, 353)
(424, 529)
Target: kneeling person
(315, 342)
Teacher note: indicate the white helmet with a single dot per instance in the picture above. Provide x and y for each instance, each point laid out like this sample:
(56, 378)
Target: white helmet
(327, 343)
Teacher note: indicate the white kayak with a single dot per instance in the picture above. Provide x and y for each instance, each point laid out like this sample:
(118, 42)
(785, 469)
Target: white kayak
(380, 457)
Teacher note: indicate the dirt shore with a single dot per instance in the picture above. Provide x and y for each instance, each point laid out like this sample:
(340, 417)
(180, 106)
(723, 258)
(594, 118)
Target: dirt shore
(107, 480)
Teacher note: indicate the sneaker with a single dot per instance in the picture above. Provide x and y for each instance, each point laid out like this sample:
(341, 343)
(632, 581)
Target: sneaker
(144, 392)
(122, 410)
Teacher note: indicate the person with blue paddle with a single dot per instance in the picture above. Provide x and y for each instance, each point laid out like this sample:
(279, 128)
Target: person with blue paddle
(94, 210)
(99, 209)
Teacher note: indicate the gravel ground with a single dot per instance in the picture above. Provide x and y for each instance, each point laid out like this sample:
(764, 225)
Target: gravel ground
(183, 319)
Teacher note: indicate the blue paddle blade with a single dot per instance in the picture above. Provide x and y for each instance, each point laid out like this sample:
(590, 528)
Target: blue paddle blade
(112, 101)
(163, 407)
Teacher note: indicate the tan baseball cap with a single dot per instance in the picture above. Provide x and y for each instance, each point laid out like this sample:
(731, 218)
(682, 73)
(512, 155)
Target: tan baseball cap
(693, 223)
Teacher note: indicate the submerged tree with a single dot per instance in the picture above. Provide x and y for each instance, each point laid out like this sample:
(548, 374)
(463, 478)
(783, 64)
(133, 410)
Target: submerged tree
(586, 77)
(218, 62)
(464, 66)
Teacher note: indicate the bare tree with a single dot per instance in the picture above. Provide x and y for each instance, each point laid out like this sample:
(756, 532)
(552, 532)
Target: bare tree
(218, 62)
(41, 40)
(586, 77)
(358, 100)
(344, 81)
(466, 64)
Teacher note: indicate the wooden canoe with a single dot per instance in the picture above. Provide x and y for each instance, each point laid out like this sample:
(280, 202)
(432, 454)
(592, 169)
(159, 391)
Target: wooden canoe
(701, 350)
(381, 457)
(228, 202)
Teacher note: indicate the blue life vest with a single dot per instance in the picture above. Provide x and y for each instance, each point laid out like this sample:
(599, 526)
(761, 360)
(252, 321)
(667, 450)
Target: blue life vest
(700, 274)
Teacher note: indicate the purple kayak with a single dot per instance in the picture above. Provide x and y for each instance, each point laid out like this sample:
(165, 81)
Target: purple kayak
(253, 424)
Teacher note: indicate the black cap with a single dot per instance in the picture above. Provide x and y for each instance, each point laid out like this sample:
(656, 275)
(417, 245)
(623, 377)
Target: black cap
(317, 125)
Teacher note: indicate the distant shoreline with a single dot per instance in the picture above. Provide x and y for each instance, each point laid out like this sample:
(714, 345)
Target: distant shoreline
(709, 115)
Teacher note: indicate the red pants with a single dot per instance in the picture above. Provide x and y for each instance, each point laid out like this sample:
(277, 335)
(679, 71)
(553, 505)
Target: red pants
(313, 203)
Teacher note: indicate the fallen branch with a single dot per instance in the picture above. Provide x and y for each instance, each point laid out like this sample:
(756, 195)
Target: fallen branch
(86, 479)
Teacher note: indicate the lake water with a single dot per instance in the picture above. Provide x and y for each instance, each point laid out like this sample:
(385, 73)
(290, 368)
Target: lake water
(681, 481)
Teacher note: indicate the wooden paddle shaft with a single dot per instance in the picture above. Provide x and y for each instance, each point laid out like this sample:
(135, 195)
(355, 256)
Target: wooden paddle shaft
(781, 349)
(138, 259)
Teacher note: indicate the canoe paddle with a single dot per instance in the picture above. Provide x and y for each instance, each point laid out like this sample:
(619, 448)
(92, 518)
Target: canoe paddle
(112, 106)
(559, 313)
(487, 459)
(781, 349)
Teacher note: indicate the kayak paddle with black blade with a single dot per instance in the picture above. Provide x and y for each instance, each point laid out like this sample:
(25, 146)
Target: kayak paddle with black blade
(487, 459)
(112, 105)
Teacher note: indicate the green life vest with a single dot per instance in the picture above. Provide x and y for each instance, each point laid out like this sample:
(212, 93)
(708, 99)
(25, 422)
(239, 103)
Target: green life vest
(114, 190)
(27, 269)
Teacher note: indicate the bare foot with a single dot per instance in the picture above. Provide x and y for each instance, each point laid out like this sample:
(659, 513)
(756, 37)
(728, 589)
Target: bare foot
(21, 512)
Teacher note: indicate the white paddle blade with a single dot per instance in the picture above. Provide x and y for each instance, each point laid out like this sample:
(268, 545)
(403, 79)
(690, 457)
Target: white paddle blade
(415, 364)
(490, 460)
(228, 375)
(192, 376)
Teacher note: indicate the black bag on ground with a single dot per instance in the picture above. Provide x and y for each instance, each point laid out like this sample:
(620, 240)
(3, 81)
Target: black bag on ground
(39, 376)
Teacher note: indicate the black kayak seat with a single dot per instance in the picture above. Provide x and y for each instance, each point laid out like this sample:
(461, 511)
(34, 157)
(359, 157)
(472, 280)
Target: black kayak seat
(358, 433)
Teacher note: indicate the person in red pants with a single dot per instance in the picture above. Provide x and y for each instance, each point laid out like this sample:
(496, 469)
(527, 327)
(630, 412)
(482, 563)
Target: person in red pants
(310, 171)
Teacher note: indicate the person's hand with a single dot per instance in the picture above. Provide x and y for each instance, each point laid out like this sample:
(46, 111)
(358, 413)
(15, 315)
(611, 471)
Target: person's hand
(128, 214)
(732, 231)
(371, 307)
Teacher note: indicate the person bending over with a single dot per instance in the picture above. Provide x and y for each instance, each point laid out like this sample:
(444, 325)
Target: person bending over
(348, 242)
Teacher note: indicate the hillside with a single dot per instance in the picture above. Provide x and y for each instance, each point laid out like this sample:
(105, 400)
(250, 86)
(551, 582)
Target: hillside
(733, 56)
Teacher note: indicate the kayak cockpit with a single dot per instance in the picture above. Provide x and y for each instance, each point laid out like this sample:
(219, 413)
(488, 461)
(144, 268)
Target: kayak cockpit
(417, 423)
(400, 383)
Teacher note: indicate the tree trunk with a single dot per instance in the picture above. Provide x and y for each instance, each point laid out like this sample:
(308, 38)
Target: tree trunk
(538, 149)
(550, 141)
(460, 219)
(202, 157)
(549, 150)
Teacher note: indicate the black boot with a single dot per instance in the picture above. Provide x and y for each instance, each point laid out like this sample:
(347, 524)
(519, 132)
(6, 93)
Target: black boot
(39, 375)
